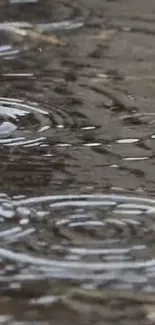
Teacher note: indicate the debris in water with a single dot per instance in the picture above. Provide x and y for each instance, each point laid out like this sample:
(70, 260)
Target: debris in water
(30, 34)
(106, 34)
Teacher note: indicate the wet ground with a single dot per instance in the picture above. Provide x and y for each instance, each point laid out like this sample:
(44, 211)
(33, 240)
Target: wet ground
(77, 180)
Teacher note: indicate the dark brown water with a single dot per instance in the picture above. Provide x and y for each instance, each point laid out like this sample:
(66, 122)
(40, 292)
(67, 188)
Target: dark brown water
(77, 162)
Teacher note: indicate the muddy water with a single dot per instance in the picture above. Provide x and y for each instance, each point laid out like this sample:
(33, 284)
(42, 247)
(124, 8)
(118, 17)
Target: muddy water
(77, 181)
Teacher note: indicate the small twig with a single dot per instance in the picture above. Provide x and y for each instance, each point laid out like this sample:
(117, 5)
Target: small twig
(31, 34)
(106, 34)
(43, 38)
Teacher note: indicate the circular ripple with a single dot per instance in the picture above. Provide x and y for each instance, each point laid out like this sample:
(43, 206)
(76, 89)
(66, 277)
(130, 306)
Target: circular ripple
(20, 123)
(29, 124)
(84, 237)
(12, 41)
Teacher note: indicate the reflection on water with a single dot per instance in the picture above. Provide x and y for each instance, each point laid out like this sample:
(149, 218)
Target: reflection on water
(77, 145)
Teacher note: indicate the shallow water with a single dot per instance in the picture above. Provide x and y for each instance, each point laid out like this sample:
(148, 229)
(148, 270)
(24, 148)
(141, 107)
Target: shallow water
(77, 185)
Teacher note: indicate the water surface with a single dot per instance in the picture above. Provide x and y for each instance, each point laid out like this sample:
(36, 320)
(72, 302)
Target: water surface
(77, 185)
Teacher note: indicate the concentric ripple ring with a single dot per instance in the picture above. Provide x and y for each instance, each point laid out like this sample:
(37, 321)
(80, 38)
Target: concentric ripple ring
(22, 123)
(120, 205)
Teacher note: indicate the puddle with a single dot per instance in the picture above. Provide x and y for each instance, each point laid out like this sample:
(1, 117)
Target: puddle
(77, 183)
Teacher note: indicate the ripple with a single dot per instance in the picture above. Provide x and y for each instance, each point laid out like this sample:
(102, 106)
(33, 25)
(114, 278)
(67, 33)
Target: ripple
(104, 237)
(31, 124)
(11, 45)
(8, 52)
(21, 124)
